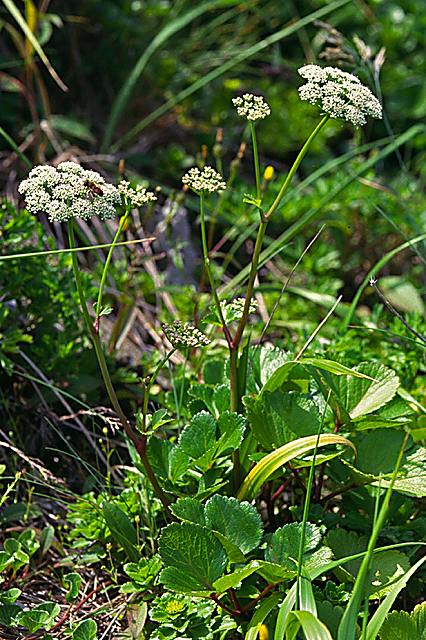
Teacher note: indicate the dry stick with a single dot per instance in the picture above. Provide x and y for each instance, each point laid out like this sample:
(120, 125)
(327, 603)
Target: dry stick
(139, 441)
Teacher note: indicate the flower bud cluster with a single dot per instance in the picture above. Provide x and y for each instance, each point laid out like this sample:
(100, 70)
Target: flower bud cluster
(135, 196)
(183, 335)
(69, 191)
(205, 180)
(251, 107)
(237, 306)
(339, 94)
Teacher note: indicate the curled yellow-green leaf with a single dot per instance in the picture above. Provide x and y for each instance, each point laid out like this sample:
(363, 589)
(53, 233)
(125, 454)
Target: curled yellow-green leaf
(276, 459)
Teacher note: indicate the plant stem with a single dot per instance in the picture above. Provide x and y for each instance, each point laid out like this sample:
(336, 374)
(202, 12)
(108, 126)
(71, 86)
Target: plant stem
(123, 221)
(208, 271)
(140, 443)
(148, 386)
(256, 160)
(235, 342)
(303, 151)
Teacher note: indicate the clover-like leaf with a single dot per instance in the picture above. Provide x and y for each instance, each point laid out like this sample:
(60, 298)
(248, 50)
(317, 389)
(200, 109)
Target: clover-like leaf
(86, 630)
(72, 582)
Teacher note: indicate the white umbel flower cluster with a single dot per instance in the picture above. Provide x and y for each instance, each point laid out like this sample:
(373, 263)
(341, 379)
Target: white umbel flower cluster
(251, 107)
(338, 93)
(206, 180)
(69, 191)
(135, 196)
(183, 335)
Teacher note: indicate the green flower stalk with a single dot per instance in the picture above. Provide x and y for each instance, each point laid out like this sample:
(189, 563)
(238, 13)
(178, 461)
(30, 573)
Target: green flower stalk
(207, 180)
(68, 192)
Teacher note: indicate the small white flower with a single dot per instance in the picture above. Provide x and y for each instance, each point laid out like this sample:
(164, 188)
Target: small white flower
(338, 93)
(183, 335)
(251, 107)
(69, 191)
(135, 196)
(206, 180)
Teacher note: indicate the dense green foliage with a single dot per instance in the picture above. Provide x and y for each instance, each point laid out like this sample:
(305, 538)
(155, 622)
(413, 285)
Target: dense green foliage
(267, 479)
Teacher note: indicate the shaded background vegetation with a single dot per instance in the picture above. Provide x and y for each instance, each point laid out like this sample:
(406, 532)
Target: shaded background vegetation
(150, 85)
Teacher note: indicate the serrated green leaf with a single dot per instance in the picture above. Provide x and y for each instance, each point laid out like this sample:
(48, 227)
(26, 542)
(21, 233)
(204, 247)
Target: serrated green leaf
(199, 436)
(204, 393)
(144, 571)
(378, 450)
(283, 373)
(399, 626)
(411, 479)
(168, 460)
(213, 371)
(221, 398)
(193, 556)
(189, 509)
(419, 617)
(283, 546)
(330, 615)
(237, 521)
(386, 567)
(379, 615)
(231, 427)
(277, 418)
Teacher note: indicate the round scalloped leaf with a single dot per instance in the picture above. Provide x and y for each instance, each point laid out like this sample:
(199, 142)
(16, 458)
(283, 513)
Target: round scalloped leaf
(238, 521)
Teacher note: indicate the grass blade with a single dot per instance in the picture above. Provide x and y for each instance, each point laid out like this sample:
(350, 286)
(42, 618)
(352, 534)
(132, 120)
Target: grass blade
(11, 142)
(380, 614)
(283, 613)
(53, 252)
(313, 628)
(15, 13)
(167, 32)
(260, 615)
(227, 66)
(379, 265)
(273, 461)
(348, 622)
(277, 245)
